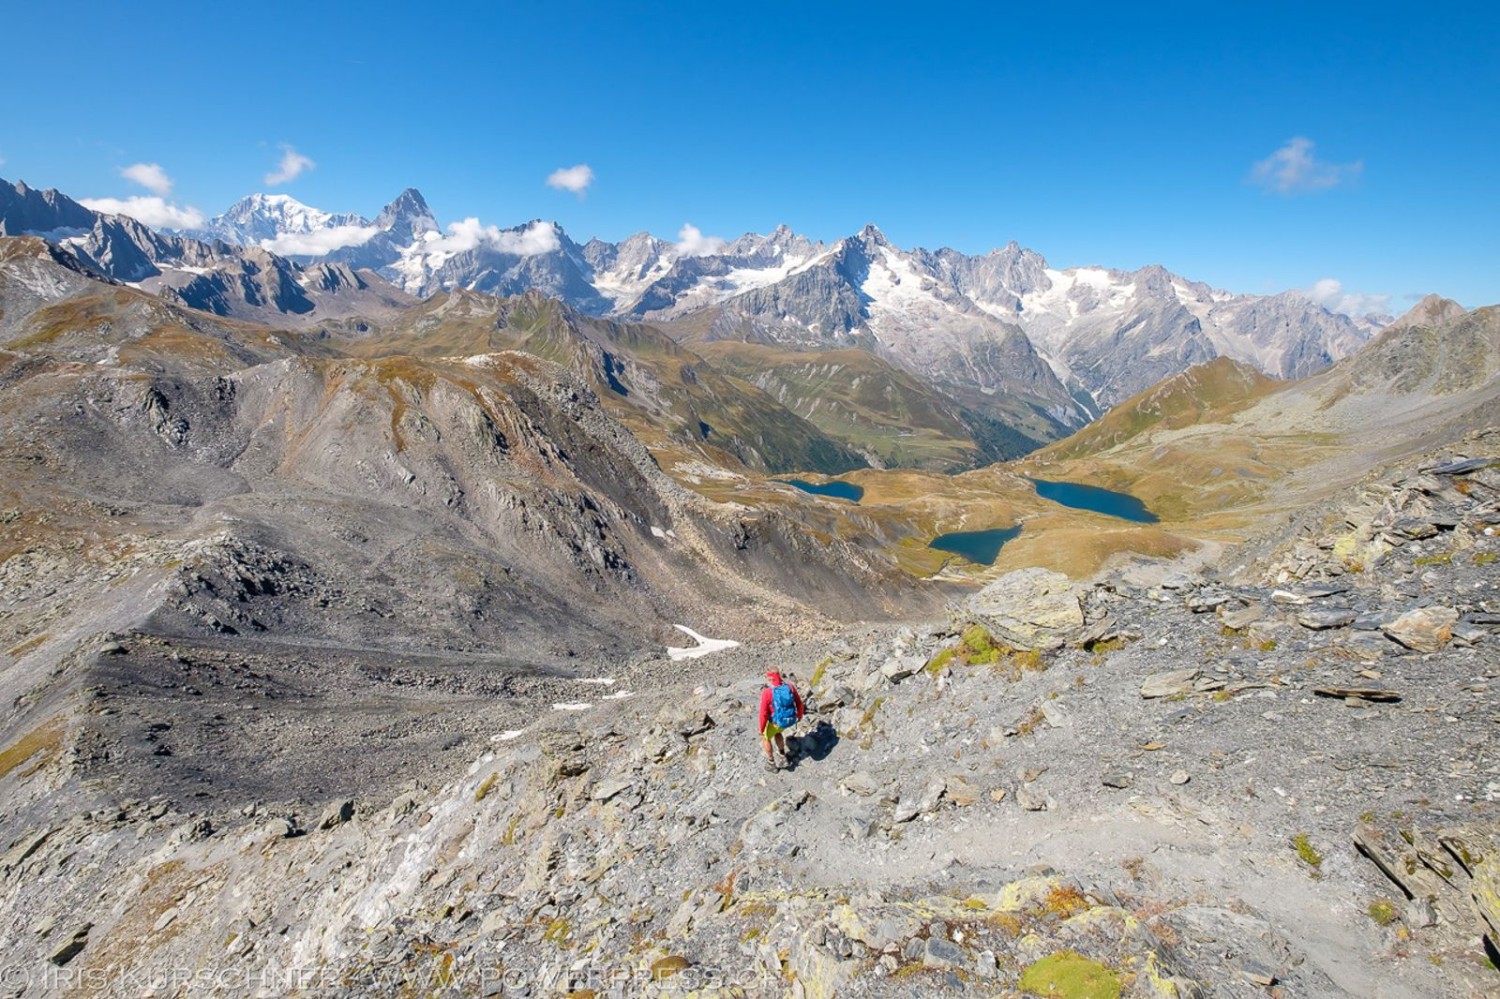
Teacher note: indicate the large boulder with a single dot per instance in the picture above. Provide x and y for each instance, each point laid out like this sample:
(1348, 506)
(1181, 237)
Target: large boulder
(1426, 629)
(1029, 609)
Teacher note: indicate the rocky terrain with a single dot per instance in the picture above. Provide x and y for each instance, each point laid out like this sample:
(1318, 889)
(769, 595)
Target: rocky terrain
(1175, 779)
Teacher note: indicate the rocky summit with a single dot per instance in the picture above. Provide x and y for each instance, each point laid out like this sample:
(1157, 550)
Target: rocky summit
(418, 651)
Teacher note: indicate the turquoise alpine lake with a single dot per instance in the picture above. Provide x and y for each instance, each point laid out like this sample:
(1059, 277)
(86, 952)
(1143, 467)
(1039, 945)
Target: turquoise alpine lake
(981, 547)
(839, 490)
(1105, 501)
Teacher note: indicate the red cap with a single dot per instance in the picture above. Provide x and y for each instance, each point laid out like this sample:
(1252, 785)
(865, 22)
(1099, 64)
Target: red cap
(774, 677)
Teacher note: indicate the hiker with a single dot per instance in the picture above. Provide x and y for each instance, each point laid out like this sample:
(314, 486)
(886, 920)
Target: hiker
(780, 709)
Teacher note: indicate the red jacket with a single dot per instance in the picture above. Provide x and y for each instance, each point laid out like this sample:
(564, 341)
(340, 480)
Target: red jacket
(765, 706)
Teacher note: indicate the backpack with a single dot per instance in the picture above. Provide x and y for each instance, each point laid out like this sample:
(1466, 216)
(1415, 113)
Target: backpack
(783, 706)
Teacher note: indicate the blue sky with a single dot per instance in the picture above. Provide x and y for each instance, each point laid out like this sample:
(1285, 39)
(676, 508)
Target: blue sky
(1113, 135)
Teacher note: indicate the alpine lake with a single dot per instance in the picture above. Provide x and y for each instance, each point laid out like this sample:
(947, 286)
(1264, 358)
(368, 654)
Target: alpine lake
(983, 547)
(838, 490)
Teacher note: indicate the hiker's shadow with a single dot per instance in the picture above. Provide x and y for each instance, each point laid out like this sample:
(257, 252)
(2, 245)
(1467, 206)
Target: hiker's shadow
(818, 743)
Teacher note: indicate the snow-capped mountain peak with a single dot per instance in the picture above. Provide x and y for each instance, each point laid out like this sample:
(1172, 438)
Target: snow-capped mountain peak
(871, 235)
(408, 216)
(264, 218)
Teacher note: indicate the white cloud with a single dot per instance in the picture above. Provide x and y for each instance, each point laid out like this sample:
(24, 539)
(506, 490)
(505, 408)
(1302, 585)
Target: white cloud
(1330, 294)
(150, 176)
(1293, 169)
(692, 243)
(538, 237)
(574, 178)
(319, 241)
(155, 212)
(292, 166)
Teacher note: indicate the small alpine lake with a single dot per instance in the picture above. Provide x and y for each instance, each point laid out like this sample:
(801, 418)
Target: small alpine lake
(838, 490)
(980, 547)
(1105, 501)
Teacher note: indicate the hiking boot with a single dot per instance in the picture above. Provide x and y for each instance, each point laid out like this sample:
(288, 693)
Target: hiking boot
(771, 764)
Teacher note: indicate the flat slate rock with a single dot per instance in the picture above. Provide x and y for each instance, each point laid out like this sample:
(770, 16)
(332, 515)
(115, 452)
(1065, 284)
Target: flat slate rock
(1425, 629)
(1306, 594)
(1379, 694)
(1177, 681)
(1333, 617)
(1371, 643)
(940, 953)
(1242, 617)
(1464, 467)
(1413, 528)
(605, 790)
(72, 945)
(897, 669)
(1202, 603)
(1258, 974)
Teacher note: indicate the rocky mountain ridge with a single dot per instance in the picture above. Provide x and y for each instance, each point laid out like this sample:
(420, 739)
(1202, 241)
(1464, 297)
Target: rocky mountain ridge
(670, 397)
(1017, 353)
(1103, 331)
(217, 277)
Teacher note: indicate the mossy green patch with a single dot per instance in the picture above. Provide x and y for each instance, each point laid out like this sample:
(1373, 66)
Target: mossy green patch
(1486, 558)
(818, 671)
(558, 931)
(1104, 648)
(988, 657)
(485, 787)
(1069, 975)
(977, 647)
(977, 639)
(1383, 911)
(1308, 853)
(936, 664)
